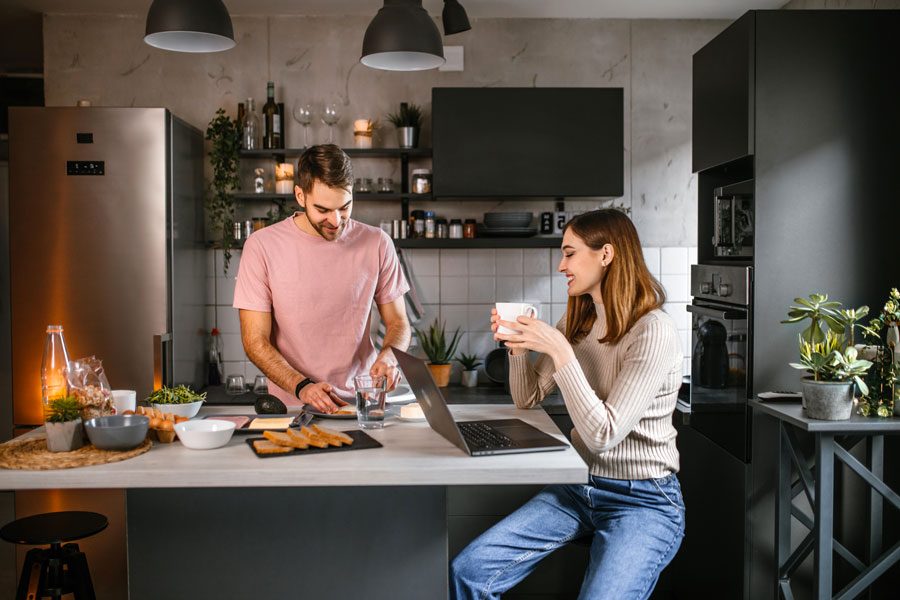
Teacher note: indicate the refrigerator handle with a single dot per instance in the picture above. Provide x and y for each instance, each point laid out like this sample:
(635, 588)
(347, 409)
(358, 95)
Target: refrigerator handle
(162, 354)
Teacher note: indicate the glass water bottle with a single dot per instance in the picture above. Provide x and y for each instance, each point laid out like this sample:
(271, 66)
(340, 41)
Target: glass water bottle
(53, 368)
(251, 127)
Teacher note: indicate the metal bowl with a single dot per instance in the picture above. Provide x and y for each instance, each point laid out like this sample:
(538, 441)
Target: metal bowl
(117, 432)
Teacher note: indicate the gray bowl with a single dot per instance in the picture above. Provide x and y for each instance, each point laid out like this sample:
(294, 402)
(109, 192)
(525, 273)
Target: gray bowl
(117, 432)
(507, 219)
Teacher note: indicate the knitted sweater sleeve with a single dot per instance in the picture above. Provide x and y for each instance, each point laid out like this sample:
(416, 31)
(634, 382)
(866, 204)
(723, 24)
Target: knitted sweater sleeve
(604, 422)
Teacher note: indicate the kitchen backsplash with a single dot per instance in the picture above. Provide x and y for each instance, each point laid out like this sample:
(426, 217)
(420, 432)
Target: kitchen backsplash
(459, 287)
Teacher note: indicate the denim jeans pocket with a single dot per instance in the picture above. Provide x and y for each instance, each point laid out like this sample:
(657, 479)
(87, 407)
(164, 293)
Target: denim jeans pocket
(670, 489)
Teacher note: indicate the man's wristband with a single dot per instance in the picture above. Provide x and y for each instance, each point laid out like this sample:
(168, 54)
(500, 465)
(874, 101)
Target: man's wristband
(302, 385)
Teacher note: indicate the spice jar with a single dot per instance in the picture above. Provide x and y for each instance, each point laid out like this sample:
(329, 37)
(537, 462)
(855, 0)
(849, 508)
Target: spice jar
(469, 229)
(421, 181)
(429, 224)
(237, 231)
(440, 229)
(417, 223)
(456, 229)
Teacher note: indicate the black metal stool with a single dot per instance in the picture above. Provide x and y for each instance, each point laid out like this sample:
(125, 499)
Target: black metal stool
(59, 569)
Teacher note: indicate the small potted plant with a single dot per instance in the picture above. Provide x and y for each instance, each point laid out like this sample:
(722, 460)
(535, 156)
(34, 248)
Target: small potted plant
(439, 350)
(65, 431)
(408, 121)
(828, 355)
(883, 351)
(469, 364)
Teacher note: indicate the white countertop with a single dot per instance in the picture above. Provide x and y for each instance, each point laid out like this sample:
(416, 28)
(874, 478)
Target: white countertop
(413, 454)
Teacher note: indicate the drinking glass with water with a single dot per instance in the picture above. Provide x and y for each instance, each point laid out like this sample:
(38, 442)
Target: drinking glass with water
(370, 394)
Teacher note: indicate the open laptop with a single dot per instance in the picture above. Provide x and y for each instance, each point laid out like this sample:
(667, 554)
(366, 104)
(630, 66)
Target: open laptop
(476, 438)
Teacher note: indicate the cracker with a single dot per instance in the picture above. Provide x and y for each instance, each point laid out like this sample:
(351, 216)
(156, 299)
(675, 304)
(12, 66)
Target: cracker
(283, 439)
(340, 436)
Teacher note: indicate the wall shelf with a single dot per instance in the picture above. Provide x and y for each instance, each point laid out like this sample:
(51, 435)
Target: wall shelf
(356, 196)
(360, 152)
(483, 242)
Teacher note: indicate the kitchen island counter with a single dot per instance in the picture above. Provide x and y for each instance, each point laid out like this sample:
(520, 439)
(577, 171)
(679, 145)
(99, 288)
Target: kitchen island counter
(413, 454)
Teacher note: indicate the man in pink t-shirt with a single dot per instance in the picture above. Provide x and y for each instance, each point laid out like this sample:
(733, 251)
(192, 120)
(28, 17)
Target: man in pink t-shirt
(305, 288)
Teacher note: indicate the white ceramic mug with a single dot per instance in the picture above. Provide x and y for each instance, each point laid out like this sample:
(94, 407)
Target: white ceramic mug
(124, 400)
(510, 311)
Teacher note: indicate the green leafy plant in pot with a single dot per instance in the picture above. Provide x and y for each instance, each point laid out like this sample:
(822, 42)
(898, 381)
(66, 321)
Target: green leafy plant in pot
(883, 349)
(469, 364)
(224, 136)
(440, 351)
(408, 121)
(65, 430)
(828, 355)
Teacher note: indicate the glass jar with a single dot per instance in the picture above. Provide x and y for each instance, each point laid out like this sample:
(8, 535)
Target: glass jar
(259, 182)
(469, 229)
(429, 224)
(421, 181)
(417, 223)
(362, 185)
(440, 229)
(456, 229)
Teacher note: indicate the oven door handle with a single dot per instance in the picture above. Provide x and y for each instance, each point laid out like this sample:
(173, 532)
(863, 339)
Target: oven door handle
(724, 314)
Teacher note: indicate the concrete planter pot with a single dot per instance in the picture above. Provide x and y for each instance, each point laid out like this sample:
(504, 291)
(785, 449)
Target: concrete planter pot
(408, 137)
(65, 437)
(469, 378)
(827, 400)
(441, 374)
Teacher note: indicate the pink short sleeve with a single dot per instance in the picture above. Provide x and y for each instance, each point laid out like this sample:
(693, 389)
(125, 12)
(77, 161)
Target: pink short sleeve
(252, 291)
(391, 281)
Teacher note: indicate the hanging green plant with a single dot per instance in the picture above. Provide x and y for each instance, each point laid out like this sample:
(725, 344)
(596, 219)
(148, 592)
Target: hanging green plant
(225, 138)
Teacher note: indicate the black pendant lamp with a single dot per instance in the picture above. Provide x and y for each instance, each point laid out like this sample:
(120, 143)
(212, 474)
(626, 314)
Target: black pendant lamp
(402, 37)
(454, 17)
(189, 26)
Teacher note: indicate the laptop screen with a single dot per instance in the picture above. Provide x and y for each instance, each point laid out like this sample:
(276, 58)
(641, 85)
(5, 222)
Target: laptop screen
(430, 398)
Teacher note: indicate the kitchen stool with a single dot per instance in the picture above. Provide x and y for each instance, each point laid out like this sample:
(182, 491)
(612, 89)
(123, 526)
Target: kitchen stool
(59, 569)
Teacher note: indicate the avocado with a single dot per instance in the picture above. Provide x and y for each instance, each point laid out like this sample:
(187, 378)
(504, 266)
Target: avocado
(268, 404)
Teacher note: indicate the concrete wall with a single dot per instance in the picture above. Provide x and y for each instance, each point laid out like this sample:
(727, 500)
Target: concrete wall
(315, 59)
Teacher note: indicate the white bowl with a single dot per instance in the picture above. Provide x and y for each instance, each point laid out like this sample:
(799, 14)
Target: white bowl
(188, 410)
(204, 434)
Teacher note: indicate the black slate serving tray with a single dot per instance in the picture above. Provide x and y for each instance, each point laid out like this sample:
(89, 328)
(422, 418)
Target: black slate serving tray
(361, 441)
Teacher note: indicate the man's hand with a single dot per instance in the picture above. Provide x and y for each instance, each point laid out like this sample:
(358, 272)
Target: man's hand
(388, 370)
(321, 397)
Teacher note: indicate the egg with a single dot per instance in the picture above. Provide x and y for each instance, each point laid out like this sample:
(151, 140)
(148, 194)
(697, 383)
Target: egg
(167, 426)
(154, 423)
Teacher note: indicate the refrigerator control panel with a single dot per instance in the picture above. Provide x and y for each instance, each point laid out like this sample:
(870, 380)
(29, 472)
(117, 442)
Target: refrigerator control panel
(85, 167)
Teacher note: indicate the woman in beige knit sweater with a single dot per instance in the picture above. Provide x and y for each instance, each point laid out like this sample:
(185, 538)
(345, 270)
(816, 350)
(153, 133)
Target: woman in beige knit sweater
(616, 358)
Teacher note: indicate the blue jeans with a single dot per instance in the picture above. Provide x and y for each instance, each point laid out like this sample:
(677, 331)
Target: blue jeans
(635, 528)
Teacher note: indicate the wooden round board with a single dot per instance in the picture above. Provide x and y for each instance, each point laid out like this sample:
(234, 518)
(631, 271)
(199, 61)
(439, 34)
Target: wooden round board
(32, 455)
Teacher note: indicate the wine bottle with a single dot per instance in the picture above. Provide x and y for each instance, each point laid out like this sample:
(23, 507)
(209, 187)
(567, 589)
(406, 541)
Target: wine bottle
(282, 123)
(272, 137)
(241, 115)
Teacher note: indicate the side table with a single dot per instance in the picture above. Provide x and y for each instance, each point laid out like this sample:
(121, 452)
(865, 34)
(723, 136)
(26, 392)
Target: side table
(817, 484)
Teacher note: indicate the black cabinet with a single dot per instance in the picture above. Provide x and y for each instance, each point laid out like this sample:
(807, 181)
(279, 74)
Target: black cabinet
(723, 93)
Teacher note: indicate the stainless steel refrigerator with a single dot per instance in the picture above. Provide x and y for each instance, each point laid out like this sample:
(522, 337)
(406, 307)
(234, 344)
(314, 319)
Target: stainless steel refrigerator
(106, 239)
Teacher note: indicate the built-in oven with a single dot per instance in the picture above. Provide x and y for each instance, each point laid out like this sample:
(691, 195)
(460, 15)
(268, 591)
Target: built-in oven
(733, 220)
(722, 316)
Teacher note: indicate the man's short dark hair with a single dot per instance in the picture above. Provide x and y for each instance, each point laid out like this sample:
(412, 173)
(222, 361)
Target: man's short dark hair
(326, 163)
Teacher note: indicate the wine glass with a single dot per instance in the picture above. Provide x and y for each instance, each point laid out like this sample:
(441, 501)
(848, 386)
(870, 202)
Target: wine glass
(330, 116)
(303, 114)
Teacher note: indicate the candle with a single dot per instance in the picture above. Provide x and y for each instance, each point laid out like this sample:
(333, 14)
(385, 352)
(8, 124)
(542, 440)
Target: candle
(284, 178)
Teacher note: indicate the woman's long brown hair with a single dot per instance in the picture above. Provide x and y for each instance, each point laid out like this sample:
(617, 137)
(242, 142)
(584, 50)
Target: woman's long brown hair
(628, 289)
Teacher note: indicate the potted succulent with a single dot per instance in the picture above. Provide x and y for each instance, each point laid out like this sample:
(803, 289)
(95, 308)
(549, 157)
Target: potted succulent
(408, 121)
(439, 350)
(883, 351)
(827, 353)
(65, 431)
(469, 364)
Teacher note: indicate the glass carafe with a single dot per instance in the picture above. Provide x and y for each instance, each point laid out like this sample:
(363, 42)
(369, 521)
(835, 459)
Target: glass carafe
(53, 368)
(251, 127)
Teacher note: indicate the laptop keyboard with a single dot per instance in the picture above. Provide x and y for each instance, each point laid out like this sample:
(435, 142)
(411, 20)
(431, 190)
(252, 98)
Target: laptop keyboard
(479, 435)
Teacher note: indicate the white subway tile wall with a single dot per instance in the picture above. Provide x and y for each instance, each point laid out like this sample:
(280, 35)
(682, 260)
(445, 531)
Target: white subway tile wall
(460, 287)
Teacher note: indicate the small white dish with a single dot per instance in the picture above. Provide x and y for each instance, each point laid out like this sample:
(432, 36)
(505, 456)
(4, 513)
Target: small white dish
(188, 410)
(204, 434)
(401, 393)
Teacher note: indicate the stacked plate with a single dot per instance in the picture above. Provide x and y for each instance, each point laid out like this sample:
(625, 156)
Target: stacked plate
(507, 224)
